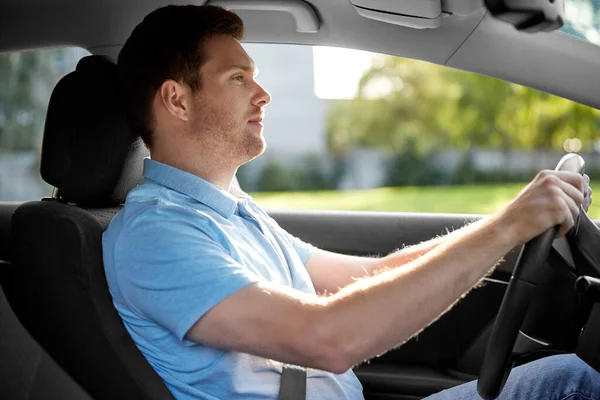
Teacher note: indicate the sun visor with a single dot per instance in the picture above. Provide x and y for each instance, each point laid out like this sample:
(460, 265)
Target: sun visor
(305, 17)
(418, 14)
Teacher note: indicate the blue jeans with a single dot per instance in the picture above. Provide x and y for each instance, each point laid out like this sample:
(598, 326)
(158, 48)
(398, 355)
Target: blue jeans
(559, 377)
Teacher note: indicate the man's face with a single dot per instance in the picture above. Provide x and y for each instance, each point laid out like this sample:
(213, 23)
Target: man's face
(227, 111)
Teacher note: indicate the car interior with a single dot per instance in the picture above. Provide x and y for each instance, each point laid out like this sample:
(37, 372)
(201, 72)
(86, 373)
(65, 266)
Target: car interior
(61, 337)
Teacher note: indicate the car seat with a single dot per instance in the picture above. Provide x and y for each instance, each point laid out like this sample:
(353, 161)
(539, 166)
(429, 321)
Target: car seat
(58, 289)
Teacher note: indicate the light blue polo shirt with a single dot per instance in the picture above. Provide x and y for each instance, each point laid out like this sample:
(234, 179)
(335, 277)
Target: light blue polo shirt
(180, 246)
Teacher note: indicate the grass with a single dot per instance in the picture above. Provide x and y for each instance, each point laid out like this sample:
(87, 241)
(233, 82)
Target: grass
(470, 199)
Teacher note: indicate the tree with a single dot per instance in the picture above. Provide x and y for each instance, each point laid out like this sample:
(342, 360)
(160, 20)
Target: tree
(396, 104)
(437, 107)
(27, 79)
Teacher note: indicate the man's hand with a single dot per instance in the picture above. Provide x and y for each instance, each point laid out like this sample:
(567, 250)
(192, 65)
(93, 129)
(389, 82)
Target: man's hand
(588, 194)
(552, 198)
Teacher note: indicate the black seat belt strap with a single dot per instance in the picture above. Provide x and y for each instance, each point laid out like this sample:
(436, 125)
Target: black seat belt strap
(293, 384)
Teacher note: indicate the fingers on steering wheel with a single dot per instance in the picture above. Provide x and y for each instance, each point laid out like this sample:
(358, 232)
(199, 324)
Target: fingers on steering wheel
(569, 220)
(572, 205)
(570, 199)
(587, 189)
(572, 192)
(575, 179)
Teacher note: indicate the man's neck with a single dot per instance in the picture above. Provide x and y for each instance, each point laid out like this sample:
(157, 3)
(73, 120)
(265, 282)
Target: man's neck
(206, 167)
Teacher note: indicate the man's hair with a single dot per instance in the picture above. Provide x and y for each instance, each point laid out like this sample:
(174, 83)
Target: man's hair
(168, 44)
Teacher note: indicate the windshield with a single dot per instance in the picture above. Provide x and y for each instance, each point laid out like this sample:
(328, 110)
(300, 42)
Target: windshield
(582, 20)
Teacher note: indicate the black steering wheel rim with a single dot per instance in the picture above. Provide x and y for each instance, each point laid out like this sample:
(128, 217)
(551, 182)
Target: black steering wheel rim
(498, 358)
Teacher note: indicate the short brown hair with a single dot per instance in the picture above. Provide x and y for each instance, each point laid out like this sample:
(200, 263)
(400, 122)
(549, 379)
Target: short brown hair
(167, 44)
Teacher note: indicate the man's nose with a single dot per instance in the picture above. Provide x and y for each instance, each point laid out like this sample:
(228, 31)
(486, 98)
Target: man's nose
(262, 97)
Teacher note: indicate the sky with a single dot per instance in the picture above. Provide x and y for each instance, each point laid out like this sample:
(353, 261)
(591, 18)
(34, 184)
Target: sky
(584, 16)
(338, 71)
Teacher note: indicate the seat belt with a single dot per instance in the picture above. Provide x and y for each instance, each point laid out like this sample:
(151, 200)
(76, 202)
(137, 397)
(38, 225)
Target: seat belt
(293, 384)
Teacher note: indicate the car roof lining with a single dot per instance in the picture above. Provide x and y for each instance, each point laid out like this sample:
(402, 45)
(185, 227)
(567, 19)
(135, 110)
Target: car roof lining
(551, 62)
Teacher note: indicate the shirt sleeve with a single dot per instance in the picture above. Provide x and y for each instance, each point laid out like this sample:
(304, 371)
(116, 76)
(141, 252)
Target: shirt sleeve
(301, 247)
(172, 271)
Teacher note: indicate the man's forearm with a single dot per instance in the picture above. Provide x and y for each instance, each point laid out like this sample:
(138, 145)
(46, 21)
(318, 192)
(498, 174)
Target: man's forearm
(370, 316)
(411, 253)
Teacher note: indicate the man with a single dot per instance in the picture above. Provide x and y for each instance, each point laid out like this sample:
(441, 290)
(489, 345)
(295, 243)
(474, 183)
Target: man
(213, 291)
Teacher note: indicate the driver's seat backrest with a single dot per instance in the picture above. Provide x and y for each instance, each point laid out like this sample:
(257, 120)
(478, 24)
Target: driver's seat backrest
(59, 289)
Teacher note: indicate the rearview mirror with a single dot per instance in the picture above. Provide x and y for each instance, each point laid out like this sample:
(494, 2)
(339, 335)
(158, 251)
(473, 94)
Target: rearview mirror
(529, 15)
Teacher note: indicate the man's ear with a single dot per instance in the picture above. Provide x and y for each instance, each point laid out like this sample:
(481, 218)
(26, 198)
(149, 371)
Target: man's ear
(175, 97)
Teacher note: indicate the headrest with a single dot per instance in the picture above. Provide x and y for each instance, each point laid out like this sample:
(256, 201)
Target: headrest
(89, 152)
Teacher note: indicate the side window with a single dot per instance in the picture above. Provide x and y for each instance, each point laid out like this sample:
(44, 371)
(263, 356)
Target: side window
(352, 130)
(26, 82)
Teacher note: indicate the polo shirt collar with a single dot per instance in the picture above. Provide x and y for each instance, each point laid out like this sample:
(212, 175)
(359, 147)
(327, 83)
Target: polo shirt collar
(191, 185)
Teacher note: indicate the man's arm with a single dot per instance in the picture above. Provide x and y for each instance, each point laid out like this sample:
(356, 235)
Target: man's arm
(370, 316)
(330, 271)
(360, 321)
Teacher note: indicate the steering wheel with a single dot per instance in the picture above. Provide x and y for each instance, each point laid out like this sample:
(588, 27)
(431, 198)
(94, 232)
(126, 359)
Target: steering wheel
(497, 362)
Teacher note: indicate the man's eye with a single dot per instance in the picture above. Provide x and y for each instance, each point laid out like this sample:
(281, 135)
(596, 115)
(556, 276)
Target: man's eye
(239, 78)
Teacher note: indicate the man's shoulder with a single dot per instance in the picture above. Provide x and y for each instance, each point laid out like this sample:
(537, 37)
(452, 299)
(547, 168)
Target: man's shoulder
(156, 202)
(156, 210)
(152, 229)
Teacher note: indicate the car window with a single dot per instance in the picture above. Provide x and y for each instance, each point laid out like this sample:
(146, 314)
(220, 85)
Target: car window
(352, 130)
(26, 82)
(582, 20)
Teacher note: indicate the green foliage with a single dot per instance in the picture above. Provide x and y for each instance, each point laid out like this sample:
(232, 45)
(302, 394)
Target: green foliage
(467, 199)
(276, 177)
(413, 169)
(412, 109)
(470, 199)
(410, 94)
(313, 174)
(245, 178)
(432, 107)
(467, 174)
(27, 79)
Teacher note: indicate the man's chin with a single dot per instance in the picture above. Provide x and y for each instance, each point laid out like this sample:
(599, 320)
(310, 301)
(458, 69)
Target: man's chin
(255, 148)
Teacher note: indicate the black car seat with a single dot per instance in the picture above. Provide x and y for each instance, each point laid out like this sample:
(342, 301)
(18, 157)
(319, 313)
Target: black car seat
(26, 370)
(58, 288)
